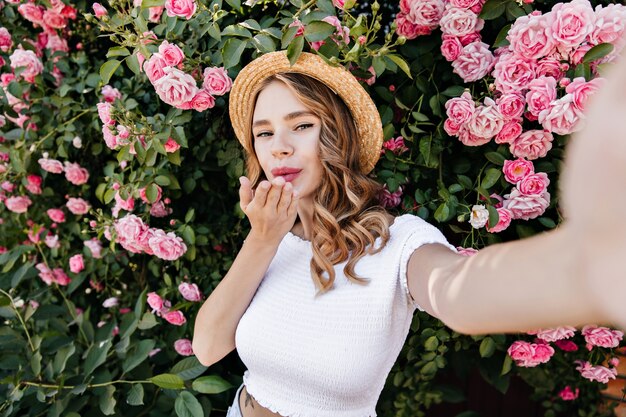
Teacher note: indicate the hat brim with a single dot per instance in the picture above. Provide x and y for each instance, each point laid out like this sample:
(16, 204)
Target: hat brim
(342, 82)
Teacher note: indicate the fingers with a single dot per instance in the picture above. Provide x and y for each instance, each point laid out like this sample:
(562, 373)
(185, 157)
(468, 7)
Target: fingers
(274, 194)
(245, 193)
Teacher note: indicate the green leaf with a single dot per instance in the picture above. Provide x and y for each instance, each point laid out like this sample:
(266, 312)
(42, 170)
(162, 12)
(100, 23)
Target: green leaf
(128, 325)
(506, 365)
(61, 357)
(152, 3)
(547, 222)
(162, 180)
(212, 384)
(118, 51)
(20, 273)
(108, 69)
(186, 405)
(583, 70)
(318, 31)
(495, 157)
(35, 363)
(487, 347)
(189, 235)
(107, 401)
(501, 39)
(400, 62)
(132, 62)
(264, 43)
(295, 49)
(15, 89)
(288, 36)
(431, 344)
(493, 9)
(492, 175)
(152, 193)
(147, 321)
(135, 395)
(231, 55)
(494, 217)
(188, 368)
(442, 213)
(597, 52)
(140, 354)
(191, 213)
(168, 381)
(96, 356)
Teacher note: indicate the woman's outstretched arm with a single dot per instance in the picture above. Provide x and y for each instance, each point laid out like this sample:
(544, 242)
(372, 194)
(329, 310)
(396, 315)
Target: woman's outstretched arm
(272, 212)
(570, 276)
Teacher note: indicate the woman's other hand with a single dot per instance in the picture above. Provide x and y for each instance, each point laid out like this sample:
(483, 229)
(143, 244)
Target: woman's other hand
(271, 208)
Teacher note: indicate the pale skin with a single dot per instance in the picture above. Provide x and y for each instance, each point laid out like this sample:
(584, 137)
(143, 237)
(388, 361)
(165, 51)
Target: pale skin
(570, 276)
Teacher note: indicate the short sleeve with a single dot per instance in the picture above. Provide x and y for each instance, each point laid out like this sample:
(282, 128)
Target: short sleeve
(413, 232)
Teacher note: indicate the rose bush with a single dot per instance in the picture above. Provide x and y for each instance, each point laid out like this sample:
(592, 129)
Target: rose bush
(118, 174)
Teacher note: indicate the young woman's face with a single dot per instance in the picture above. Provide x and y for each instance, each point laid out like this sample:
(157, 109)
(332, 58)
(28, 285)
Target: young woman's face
(286, 139)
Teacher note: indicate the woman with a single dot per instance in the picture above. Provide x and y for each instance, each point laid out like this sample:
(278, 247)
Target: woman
(319, 300)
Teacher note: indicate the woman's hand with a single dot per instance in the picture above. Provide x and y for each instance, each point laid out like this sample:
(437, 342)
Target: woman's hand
(271, 208)
(593, 188)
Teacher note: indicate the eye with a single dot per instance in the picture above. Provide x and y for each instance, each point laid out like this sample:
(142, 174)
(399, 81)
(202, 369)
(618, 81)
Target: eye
(303, 126)
(263, 134)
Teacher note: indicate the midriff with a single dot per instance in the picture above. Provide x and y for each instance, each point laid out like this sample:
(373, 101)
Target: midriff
(251, 408)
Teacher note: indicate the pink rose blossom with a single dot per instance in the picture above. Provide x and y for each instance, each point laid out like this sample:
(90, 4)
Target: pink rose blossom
(388, 199)
(154, 14)
(110, 94)
(180, 8)
(515, 171)
(202, 101)
(567, 394)
(160, 210)
(466, 251)
(596, 373)
(18, 204)
(511, 105)
(543, 352)
(31, 12)
(77, 206)
(45, 273)
(504, 221)
(167, 246)
(342, 34)
(27, 59)
(614, 362)
(8, 186)
(407, 28)
(460, 109)
(56, 215)
(526, 207)
(175, 317)
(486, 121)
(110, 302)
(297, 23)
(154, 67)
(562, 117)
(183, 347)
(581, 90)
(558, 333)
(521, 352)
(533, 184)
(95, 247)
(610, 22)
(465, 4)
(566, 345)
(513, 73)
(469, 139)
(541, 93)
(143, 240)
(532, 144)
(52, 241)
(155, 302)
(451, 47)
(474, 62)
(216, 81)
(172, 54)
(458, 22)
(171, 145)
(395, 145)
(77, 263)
(175, 88)
(424, 13)
(53, 20)
(128, 204)
(190, 292)
(6, 42)
(60, 277)
(551, 67)
(109, 138)
(571, 22)
(602, 336)
(510, 131)
(530, 37)
(128, 229)
(451, 128)
(104, 113)
(99, 10)
(75, 174)
(33, 184)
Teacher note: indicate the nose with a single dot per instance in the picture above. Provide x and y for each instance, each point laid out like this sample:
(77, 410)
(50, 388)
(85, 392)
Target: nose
(281, 145)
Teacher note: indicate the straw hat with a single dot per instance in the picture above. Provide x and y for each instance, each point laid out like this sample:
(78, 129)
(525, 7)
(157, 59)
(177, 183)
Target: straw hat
(363, 109)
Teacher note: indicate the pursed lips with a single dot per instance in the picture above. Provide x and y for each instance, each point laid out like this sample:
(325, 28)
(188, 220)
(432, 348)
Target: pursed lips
(288, 173)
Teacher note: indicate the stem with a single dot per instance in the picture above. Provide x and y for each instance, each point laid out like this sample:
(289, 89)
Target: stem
(102, 384)
(303, 8)
(19, 316)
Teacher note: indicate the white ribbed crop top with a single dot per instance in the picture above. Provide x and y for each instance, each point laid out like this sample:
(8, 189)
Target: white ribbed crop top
(329, 356)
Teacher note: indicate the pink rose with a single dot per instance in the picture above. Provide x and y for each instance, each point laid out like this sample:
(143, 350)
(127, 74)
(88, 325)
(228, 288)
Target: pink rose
(511, 105)
(216, 81)
(451, 128)
(532, 144)
(6, 42)
(155, 302)
(566, 345)
(56, 43)
(486, 121)
(474, 62)
(469, 139)
(175, 88)
(128, 204)
(567, 394)
(530, 37)
(541, 93)
(562, 117)
(99, 10)
(465, 4)
(31, 12)
(183, 347)
(172, 54)
(154, 67)
(77, 206)
(60, 277)
(110, 302)
(167, 246)
(602, 336)
(460, 109)
(297, 23)
(77, 263)
(27, 59)
(109, 138)
(513, 73)
(510, 131)
(18, 204)
(75, 174)
(571, 22)
(175, 317)
(425, 13)
(54, 20)
(388, 199)
(451, 47)
(8, 186)
(95, 247)
(609, 25)
(581, 90)
(160, 210)
(395, 145)
(515, 171)
(596, 373)
(128, 229)
(190, 292)
(409, 29)
(110, 94)
(458, 22)
(542, 352)
(52, 241)
(45, 273)
(171, 145)
(559, 333)
(104, 113)
(466, 251)
(154, 14)
(56, 215)
(533, 184)
(504, 221)
(143, 240)
(526, 207)
(33, 183)
(180, 8)
(521, 352)
(342, 34)
(202, 101)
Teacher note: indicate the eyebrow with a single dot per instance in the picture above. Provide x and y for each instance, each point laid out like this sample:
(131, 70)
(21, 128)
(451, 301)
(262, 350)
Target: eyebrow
(288, 117)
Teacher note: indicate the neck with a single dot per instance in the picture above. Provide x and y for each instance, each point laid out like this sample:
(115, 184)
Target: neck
(304, 226)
